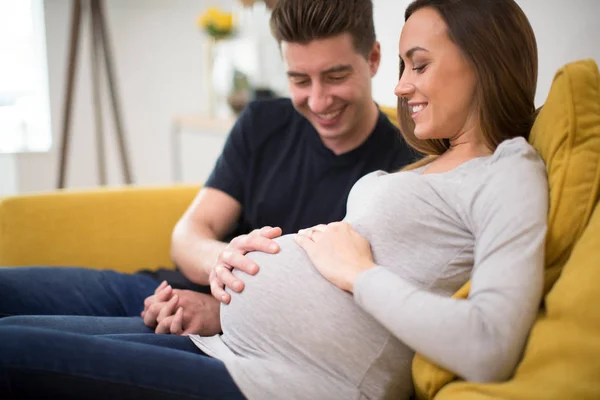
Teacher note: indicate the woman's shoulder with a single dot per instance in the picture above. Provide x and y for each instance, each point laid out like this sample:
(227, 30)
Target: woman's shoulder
(516, 152)
(514, 171)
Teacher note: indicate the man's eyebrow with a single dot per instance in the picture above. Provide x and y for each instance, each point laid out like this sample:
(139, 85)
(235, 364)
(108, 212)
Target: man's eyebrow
(337, 68)
(412, 51)
(293, 74)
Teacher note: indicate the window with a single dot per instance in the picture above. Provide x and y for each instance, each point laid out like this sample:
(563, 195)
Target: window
(24, 100)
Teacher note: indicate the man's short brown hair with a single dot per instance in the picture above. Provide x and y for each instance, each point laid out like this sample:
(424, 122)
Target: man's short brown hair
(302, 21)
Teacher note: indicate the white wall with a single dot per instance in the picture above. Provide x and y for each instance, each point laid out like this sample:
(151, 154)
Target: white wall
(158, 60)
(159, 65)
(8, 175)
(565, 31)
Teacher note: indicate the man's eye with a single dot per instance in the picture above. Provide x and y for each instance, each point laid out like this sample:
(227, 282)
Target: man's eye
(303, 82)
(337, 78)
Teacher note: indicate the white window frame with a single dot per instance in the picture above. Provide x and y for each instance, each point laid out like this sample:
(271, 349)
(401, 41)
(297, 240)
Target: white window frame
(25, 124)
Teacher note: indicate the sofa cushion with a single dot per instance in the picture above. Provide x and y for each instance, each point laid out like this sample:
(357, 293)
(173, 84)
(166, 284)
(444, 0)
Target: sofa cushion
(567, 136)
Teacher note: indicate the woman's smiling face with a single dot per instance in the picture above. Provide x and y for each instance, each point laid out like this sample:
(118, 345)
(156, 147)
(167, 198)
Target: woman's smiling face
(438, 82)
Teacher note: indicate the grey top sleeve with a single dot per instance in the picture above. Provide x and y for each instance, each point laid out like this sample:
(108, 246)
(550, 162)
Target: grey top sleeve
(480, 338)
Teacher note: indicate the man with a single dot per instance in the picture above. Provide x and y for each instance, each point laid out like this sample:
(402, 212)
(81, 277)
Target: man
(287, 163)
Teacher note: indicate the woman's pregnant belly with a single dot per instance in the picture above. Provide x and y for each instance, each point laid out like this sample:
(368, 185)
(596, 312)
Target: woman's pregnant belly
(288, 311)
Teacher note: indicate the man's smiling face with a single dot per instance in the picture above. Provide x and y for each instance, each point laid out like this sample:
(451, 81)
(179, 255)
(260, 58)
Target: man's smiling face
(330, 84)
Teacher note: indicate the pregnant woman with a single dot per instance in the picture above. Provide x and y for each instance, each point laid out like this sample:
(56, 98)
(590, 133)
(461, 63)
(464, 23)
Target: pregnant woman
(339, 312)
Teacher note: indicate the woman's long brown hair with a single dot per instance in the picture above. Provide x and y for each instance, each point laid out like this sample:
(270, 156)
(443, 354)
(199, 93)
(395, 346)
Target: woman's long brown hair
(496, 38)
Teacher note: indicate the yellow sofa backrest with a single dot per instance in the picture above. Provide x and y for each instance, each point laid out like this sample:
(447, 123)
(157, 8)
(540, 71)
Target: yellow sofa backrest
(562, 358)
(125, 229)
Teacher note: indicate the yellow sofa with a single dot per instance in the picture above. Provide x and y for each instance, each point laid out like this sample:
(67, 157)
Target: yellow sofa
(129, 229)
(123, 229)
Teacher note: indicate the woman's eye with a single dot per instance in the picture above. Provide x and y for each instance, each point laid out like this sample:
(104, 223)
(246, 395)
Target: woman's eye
(420, 68)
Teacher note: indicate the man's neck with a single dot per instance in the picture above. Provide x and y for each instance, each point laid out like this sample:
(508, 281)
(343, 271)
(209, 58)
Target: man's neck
(357, 136)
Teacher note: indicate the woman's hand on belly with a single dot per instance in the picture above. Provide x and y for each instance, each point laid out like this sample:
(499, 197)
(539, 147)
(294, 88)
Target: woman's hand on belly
(234, 256)
(337, 251)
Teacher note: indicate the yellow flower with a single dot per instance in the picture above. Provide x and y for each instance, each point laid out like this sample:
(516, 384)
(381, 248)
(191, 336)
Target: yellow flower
(216, 22)
(224, 22)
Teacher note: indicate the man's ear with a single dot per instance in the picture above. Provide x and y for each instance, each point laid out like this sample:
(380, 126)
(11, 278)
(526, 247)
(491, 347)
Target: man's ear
(374, 58)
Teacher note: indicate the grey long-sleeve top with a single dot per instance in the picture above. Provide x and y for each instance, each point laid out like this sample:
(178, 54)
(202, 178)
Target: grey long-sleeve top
(291, 334)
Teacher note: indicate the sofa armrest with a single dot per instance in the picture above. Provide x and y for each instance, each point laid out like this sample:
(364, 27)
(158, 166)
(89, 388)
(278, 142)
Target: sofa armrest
(123, 229)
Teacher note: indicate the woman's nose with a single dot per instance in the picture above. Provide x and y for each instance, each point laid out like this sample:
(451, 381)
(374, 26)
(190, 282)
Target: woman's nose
(404, 89)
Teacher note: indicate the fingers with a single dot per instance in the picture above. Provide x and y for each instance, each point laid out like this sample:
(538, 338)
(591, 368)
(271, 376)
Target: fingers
(160, 287)
(163, 295)
(305, 242)
(270, 232)
(238, 261)
(233, 256)
(173, 324)
(164, 327)
(217, 288)
(176, 326)
(157, 311)
(313, 233)
(320, 228)
(168, 309)
(227, 278)
(255, 241)
(149, 315)
(316, 235)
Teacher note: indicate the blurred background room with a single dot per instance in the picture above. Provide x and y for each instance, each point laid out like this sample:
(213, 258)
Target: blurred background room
(180, 71)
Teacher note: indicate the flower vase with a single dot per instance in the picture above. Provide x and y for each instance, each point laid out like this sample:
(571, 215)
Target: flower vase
(209, 81)
(220, 71)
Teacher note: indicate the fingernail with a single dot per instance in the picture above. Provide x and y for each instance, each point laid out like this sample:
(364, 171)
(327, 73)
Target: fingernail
(226, 254)
(273, 247)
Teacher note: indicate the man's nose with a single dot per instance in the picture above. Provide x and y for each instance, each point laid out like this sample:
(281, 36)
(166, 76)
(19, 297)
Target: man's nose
(319, 100)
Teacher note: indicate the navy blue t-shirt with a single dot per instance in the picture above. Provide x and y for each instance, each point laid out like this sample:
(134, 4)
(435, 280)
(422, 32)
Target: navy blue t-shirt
(275, 164)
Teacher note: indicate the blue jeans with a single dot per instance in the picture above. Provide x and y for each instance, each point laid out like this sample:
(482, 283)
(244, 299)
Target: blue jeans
(44, 363)
(80, 324)
(72, 291)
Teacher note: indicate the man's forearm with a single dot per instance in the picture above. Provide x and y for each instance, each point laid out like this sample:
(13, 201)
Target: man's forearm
(195, 253)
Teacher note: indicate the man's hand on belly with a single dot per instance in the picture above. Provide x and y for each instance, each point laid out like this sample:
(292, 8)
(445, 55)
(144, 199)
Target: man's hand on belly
(234, 256)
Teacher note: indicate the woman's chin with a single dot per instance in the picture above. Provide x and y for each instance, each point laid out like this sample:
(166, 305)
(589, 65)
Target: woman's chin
(423, 134)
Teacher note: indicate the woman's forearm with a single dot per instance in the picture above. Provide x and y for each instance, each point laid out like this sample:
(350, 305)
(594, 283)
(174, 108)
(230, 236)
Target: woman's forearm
(478, 339)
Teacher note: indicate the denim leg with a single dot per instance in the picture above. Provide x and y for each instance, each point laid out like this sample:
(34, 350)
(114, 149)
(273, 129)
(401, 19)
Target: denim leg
(72, 291)
(43, 363)
(80, 324)
(158, 340)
